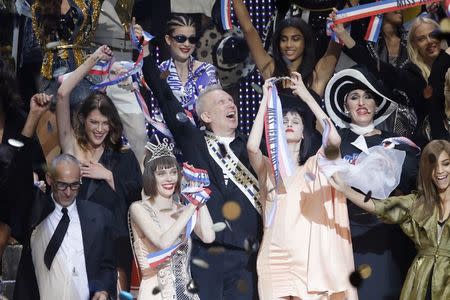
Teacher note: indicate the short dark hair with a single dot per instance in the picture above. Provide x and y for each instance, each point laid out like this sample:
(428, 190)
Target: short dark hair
(107, 108)
(150, 167)
(309, 58)
(311, 139)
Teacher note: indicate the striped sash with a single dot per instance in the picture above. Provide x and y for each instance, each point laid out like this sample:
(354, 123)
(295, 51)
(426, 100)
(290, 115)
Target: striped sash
(235, 170)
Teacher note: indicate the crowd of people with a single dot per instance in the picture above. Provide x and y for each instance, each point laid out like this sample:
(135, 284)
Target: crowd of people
(345, 170)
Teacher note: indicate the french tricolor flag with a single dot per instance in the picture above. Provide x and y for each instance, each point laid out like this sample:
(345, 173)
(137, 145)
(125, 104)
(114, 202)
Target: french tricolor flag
(225, 11)
(374, 29)
(101, 68)
(156, 258)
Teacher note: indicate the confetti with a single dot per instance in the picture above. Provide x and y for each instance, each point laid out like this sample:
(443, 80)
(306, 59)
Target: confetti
(200, 263)
(192, 287)
(310, 176)
(368, 196)
(242, 286)
(365, 271)
(231, 210)
(15, 143)
(331, 152)
(251, 246)
(219, 226)
(256, 88)
(156, 290)
(214, 250)
(182, 117)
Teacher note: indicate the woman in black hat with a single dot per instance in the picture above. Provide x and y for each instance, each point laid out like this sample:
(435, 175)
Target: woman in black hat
(357, 102)
(293, 51)
(305, 219)
(412, 79)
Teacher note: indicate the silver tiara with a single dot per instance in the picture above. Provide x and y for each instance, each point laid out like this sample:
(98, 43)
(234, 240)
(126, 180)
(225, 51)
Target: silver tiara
(164, 148)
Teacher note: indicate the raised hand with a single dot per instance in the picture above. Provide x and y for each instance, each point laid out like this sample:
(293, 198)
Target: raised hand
(339, 29)
(298, 86)
(40, 103)
(103, 53)
(138, 31)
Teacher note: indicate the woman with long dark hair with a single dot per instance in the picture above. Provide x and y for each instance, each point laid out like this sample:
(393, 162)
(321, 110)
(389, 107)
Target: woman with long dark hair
(293, 51)
(423, 217)
(111, 174)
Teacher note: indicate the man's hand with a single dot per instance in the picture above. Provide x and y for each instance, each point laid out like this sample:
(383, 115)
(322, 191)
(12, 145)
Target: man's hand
(102, 295)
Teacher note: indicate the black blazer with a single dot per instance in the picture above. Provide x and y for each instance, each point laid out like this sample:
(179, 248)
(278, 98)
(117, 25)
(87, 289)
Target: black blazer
(96, 223)
(191, 141)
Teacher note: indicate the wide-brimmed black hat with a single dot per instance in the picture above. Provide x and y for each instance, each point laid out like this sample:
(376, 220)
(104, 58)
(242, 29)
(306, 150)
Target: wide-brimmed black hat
(347, 80)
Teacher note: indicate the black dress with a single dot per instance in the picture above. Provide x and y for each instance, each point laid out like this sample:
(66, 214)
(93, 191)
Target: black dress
(128, 184)
(382, 246)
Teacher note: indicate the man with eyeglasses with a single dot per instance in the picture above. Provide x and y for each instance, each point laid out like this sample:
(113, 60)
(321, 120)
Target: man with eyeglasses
(69, 255)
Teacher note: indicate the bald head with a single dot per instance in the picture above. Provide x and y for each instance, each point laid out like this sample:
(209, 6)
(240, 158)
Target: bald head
(64, 178)
(217, 110)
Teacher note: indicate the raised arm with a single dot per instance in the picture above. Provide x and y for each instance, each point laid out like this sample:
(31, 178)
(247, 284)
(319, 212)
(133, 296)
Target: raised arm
(254, 140)
(39, 104)
(354, 196)
(299, 89)
(203, 227)
(262, 59)
(160, 238)
(65, 130)
(325, 67)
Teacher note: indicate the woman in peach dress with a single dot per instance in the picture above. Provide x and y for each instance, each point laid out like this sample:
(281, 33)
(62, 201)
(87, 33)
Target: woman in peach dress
(306, 252)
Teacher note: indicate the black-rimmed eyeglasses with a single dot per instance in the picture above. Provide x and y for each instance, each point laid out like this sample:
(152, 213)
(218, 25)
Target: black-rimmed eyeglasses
(62, 186)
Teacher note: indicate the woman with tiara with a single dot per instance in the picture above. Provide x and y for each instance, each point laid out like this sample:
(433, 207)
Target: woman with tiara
(160, 225)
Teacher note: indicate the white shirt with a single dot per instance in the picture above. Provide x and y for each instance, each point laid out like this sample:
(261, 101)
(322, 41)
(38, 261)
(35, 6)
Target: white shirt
(67, 277)
(226, 141)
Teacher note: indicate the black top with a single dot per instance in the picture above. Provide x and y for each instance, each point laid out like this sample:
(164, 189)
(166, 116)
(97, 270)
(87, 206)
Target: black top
(409, 169)
(437, 101)
(127, 182)
(192, 143)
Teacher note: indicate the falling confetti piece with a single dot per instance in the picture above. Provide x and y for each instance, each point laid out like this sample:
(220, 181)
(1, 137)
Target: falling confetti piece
(214, 250)
(368, 196)
(310, 176)
(365, 271)
(15, 143)
(256, 88)
(192, 287)
(200, 263)
(182, 117)
(156, 290)
(242, 286)
(251, 246)
(355, 278)
(219, 226)
(331, 152)
(228, 225)
(231, 210)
